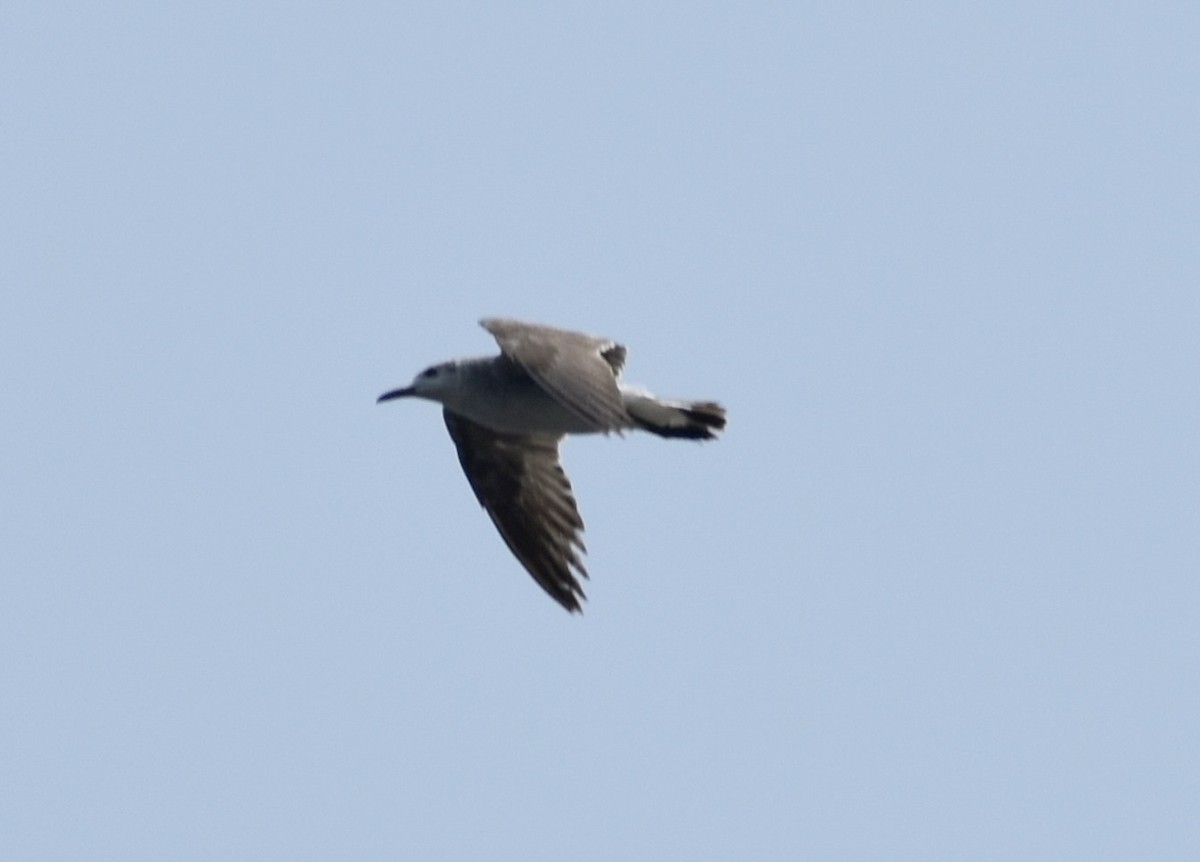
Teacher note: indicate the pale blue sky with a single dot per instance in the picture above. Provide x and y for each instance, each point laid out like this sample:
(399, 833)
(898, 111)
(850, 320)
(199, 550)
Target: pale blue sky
(934, 596)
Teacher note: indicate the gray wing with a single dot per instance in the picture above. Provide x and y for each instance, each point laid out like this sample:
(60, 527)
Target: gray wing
(519, 481)
(579, 371)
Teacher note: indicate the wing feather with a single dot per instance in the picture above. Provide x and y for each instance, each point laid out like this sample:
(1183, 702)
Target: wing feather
(579, 370)
(521, 484)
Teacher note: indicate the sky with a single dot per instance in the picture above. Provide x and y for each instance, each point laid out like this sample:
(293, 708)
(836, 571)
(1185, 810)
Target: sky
(932, 596)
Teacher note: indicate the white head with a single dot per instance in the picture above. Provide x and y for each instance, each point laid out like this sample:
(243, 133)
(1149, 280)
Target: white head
(433, 383)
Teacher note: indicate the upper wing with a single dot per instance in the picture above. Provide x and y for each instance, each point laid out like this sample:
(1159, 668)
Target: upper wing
(578, 370)
(519, 481)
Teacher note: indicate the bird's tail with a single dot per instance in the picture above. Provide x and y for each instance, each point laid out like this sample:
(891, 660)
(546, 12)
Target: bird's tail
(691, 420)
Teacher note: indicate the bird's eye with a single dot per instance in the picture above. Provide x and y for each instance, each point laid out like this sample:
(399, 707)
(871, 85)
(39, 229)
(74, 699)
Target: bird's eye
(428, 372)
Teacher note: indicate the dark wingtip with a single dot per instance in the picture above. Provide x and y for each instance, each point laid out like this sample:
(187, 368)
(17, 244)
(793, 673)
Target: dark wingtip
(570, 595)
(566, 598)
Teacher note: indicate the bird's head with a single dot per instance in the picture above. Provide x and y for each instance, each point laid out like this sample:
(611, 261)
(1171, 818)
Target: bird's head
(432, 383)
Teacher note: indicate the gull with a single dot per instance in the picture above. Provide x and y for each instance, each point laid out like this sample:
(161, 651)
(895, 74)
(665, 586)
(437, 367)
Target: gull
(507, 414)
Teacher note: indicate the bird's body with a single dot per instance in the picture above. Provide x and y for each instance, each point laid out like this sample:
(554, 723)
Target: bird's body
(500, 395)
(507, 414)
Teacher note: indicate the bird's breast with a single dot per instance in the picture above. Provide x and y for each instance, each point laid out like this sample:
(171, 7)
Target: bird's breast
(516, 404)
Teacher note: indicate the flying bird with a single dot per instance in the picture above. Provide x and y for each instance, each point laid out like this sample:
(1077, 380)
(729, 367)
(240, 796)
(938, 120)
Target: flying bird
(506, 415)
